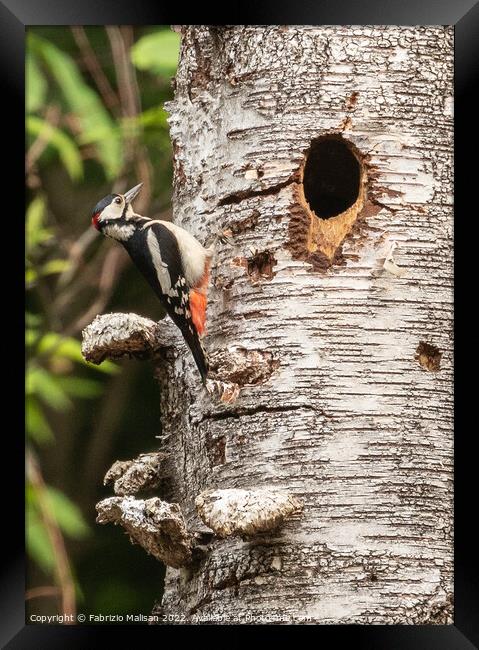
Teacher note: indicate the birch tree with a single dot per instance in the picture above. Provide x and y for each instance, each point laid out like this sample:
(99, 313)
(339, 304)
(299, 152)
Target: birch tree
(321, 160)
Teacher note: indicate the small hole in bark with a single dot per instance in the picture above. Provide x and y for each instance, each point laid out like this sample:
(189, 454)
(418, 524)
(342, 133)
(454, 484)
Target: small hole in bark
(428, 356)
(331, 177)
(260, 266)
(217, 451)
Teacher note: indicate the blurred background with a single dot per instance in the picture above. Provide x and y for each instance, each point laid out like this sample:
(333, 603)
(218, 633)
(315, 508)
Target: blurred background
(95, 123)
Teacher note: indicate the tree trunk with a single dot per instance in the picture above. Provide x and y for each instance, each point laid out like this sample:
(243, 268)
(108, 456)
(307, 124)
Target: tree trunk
(325, 156)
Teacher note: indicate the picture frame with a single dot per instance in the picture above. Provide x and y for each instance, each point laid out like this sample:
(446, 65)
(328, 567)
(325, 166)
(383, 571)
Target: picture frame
(464, 15)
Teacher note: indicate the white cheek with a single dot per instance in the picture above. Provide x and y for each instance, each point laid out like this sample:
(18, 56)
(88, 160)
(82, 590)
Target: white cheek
(112, 212)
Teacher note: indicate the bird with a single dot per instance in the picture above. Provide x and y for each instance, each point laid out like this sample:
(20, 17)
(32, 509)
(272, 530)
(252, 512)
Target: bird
(174, 263)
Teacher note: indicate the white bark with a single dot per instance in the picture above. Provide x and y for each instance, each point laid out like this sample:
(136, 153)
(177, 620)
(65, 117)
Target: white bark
(353, 417)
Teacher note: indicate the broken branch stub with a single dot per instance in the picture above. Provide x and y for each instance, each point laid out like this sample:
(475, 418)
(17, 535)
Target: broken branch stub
(133, 476)
(157, 526)
(112, 336)
(245, 512)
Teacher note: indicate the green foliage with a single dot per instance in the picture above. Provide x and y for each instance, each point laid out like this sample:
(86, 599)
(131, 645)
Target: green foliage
(37, 425)
(157, 52)
(59, 140)
(114, 596)
(94, 121)
(83, 388)
(47, 388)
(38, 543)
(66, 515)
(36, 86)
(154, 118)
(76, 146)
(58, 346)
(36, 232)
(37, 236)
(52, 267)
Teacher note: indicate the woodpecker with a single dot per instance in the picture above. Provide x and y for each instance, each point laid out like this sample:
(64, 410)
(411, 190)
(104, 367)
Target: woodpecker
(174, 263)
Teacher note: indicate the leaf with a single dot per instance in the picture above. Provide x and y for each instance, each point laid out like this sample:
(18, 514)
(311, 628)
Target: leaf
(49, 268)
(155, 117)
(30, 277)
(60, 346)
(38, 543)
(67, 514)
(36, 233)
(54, 266)
(32, 320)
(157, 52)
(98, 134)
(59, 140)
(31, 336)
(55, 344)
(83, 388)
(36, 86)
(95, 121)
(46, 387)
(108, 367)
(37, 425)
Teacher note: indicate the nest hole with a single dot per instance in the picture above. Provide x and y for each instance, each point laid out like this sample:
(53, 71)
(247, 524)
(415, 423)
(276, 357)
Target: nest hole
(332, 176)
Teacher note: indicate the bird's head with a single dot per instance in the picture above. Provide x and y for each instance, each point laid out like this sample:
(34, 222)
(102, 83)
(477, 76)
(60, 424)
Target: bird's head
(114, 209)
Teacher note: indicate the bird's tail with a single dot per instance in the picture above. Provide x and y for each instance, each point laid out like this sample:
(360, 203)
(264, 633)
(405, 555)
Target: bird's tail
(199, 353)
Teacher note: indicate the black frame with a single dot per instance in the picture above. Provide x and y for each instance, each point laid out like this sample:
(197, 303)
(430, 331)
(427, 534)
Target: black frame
(15, 15)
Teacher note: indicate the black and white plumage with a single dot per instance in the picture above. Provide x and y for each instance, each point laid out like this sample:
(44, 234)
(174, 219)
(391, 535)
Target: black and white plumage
(174, 263)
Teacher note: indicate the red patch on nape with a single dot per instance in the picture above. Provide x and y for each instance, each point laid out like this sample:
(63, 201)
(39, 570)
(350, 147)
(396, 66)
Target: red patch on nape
(95, 219)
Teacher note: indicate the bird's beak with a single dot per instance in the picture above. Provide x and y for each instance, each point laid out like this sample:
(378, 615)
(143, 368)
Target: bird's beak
(131, 194)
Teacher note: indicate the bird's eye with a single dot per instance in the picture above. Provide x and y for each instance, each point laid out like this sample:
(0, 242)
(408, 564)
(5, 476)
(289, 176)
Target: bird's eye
(118, 200)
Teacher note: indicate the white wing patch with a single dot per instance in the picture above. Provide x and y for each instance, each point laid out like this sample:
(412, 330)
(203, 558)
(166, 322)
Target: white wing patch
(160, 267)
(193, 254)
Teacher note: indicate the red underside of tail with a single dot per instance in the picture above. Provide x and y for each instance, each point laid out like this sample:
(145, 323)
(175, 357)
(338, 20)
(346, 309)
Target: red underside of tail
(198, 302)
